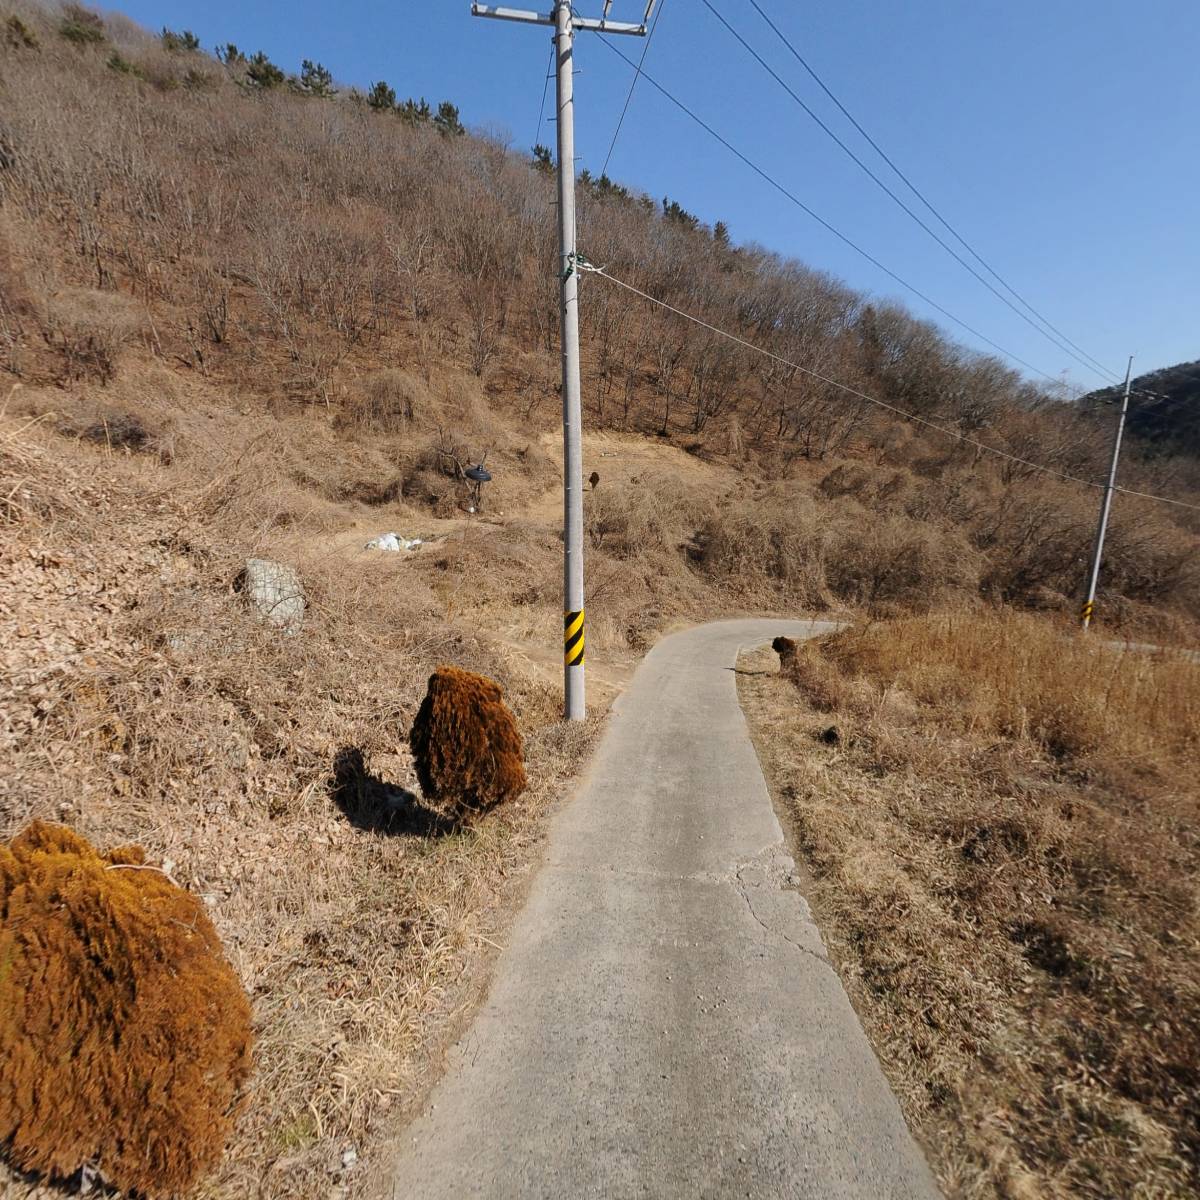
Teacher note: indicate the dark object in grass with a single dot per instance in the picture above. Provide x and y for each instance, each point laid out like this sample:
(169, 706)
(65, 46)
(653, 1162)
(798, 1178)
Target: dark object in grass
(785, 647)
(121, 431)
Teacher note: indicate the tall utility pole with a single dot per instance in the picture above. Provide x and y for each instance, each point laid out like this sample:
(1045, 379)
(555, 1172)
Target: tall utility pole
(1085, 613)
(565, 23)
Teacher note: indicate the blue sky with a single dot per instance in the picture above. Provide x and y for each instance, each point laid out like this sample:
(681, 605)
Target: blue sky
(1061, 137)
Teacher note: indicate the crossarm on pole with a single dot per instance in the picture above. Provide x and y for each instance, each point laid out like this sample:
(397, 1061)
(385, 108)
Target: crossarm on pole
(602, 25)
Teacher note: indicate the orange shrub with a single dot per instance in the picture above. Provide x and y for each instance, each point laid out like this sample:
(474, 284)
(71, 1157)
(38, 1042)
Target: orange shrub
(124, 1033)
(466, 743)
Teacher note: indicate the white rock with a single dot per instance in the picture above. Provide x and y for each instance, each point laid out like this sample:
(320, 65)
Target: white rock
(274, 590)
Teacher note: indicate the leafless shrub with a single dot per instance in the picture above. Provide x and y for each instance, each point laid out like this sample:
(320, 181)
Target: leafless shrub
(644, 519)
(89, 329)
(388, 401)
(118, 431)
(898, 565)
(773, 540)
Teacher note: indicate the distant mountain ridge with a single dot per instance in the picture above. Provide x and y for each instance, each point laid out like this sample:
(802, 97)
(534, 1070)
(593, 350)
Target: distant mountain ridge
(1170, 414)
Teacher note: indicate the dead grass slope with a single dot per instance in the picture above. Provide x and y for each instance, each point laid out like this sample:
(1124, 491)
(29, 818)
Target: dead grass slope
(160, 212)
(1003, 843)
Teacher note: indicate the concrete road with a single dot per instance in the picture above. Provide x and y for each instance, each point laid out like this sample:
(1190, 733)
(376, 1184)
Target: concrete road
(1151, 649)
(664, 1022)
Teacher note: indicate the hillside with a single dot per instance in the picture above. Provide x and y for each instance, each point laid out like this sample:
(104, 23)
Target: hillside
(1164, 408)
(241, 317)
(283, 246)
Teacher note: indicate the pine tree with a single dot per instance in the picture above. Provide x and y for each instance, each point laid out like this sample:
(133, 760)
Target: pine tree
(542, 158)
(447, 120)
(721, 235)
(414, 112)
(674, 211)
(262, 72)
(381, 97)
(316, 80)
(230, 55)
(606, 187)
(176, 42)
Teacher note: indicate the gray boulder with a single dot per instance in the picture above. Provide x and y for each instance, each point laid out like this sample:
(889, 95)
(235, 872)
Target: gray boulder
(274, 591)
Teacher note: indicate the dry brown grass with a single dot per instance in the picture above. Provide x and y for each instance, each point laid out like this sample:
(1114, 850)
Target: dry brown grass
(1003, 846)
(141, 701)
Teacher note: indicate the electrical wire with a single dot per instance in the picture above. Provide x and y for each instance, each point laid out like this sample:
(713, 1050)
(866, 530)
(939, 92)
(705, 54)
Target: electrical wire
(844, 387)
(637, 74)
(825, 224)
(958, 258)
(1094, 364)
(537, 139)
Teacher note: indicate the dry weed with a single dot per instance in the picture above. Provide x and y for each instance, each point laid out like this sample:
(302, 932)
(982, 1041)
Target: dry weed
(1003, 846)
(89, 328)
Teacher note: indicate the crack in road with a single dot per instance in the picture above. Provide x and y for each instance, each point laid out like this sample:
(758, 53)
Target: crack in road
(744, 889)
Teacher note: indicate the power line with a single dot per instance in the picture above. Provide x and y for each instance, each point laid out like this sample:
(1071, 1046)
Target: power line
(844, 387)
(826, 225)
(1094, 364)
(958, 258)
(537, 140)
(645, 50)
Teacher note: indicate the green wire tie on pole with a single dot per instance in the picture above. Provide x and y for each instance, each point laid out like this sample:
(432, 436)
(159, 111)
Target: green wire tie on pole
(572, 259)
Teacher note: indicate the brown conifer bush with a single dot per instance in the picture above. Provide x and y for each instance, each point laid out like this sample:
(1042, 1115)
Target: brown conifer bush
(465, 742)
(785, 647)
(124, 1033)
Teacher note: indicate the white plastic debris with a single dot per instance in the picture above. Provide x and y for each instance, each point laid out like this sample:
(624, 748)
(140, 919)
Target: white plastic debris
(393, 542)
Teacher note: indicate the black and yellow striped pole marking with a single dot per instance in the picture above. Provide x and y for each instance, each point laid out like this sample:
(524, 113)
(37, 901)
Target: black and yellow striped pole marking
(1085, 613)
(573, 638)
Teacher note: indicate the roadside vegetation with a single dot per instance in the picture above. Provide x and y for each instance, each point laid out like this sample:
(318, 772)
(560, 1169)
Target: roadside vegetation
(246, 312)
(1001, 826)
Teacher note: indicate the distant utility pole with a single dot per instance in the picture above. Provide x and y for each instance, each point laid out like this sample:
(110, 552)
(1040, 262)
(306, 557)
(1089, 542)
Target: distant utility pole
(565, 22)
(1085, 614)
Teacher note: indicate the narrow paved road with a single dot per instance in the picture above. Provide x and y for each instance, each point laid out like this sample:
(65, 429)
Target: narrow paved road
(664, 1022)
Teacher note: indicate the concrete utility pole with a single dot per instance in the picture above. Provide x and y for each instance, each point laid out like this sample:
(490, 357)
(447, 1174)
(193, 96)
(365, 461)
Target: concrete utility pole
(1089, 604)
(565, 24)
